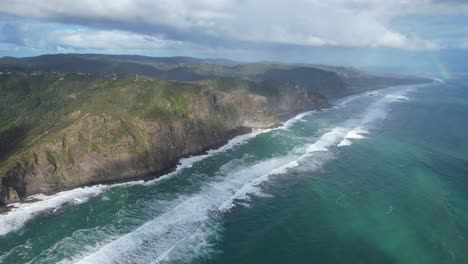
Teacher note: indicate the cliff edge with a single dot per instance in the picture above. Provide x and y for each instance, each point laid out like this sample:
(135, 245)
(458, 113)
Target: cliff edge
(132, 129)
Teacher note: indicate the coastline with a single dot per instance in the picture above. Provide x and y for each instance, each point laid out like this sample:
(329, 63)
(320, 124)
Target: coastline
(18, 213)
(283, 118)
(238, 137)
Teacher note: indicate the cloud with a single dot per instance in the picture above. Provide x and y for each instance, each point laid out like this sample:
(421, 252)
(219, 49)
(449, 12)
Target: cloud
(102, 39)
(9, 34)
(230, 23)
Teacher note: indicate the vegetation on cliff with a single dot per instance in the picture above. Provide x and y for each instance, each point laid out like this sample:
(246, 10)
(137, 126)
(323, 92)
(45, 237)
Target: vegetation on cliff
(65, 130)
(74, 120)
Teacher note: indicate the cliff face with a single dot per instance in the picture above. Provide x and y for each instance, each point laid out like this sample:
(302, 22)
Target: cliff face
(108, 146)
(71, 120)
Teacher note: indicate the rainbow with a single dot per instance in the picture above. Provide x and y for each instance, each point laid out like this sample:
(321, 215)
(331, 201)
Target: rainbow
(441, 68)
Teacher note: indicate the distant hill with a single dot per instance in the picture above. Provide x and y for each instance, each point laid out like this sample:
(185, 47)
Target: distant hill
(71, 120)
(193, 69)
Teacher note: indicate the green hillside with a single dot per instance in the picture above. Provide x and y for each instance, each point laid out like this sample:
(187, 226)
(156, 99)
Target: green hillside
(70, 120)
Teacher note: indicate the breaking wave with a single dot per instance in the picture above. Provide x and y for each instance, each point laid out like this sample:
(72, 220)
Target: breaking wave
(23, 212)
(191, 225)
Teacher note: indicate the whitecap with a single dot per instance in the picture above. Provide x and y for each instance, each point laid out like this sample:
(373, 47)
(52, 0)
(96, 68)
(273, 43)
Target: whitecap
(252, 188)
(191, 214)
(347, 100)
(373, 93)
(345, 142)
(328, 139)
(397, 98)
(300, 117)
(356, 133)
(23, 212)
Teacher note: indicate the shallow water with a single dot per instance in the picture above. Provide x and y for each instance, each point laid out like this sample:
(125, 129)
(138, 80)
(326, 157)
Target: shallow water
(380, 178)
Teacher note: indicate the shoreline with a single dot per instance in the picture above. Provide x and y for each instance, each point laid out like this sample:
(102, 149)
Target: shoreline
(283, 118)
(143, 177)
(150, 176)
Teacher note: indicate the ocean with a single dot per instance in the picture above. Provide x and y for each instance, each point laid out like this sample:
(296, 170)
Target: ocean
(381, 177)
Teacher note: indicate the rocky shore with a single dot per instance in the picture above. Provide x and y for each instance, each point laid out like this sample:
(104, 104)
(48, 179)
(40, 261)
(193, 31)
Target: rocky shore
(101, 148)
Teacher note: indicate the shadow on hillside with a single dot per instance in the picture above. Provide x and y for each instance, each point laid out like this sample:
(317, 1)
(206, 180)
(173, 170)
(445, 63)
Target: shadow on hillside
(10, 140)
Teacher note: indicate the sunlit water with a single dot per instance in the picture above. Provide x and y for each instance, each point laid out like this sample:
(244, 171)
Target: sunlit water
(381, 177)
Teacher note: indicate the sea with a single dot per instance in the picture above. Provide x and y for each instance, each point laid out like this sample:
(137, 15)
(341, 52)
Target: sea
(380, 177)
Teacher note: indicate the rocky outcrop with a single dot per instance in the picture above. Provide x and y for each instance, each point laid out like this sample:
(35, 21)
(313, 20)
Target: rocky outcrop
(105, 147)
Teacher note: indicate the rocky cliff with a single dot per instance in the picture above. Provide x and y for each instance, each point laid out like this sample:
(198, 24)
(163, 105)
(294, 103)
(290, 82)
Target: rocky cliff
(72, 120)
(138, 129)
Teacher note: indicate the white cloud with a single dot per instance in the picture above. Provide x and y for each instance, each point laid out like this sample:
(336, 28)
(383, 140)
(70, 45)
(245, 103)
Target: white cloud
(350, 23)
(102, 39)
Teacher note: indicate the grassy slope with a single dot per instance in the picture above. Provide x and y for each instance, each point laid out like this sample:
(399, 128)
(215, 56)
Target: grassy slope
(36, 103)
(35, 108)
(32, 105)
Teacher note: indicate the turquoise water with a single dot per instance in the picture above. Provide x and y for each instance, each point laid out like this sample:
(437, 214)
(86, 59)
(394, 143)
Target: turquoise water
(380, 178)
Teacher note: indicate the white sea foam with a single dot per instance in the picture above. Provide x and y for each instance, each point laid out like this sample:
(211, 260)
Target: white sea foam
(183, 232)
(23, 212)
(188, 162)
(188, 225)
(373, 93)
(253, 186)
(328, 139)
(236, 141)
(300, 117)
(346, 100)
(345, 142)
(356, 133)
(376, 111)
(397, 98)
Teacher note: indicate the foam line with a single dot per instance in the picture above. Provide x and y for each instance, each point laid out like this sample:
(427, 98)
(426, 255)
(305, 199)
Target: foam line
(356, 133)
(23, 212)
(158, 237)
(178, 235)
(300, 117)
(192, 213)
(252, 187)
(327, 140)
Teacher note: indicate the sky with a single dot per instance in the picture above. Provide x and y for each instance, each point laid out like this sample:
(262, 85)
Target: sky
(395, 34)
